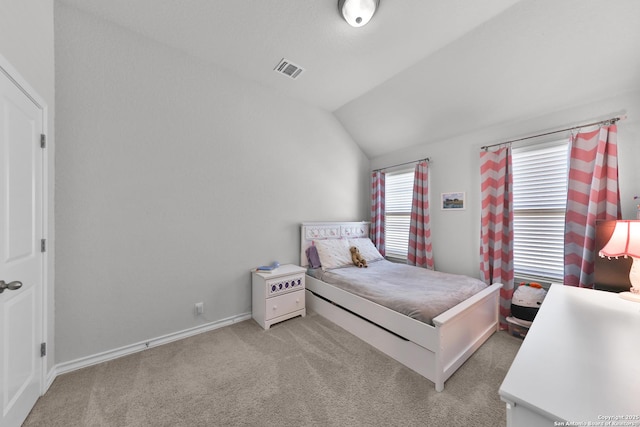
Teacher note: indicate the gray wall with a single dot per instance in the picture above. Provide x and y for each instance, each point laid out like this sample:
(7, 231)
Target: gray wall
(455, 166)
(26, 42)
(174, 179)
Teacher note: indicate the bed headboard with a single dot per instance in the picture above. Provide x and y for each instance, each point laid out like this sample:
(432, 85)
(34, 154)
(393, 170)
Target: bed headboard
(311, 231)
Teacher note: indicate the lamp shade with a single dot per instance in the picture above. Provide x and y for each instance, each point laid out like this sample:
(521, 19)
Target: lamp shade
(625, 240)
(357, 12)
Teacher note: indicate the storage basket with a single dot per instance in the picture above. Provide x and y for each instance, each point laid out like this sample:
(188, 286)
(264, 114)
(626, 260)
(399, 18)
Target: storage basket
(516, 328)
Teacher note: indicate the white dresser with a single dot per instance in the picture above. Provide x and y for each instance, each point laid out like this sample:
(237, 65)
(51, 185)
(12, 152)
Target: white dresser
(279, 295)
(579, 364)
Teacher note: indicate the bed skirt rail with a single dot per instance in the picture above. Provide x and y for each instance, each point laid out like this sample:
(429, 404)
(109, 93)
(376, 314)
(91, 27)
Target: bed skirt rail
(408, 328)
(435, 352)
(404, 351)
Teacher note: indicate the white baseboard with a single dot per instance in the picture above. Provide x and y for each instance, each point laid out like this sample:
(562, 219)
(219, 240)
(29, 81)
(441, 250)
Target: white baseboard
(105, 356)
(50, 377)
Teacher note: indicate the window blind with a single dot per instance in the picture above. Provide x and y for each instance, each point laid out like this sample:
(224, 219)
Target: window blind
(398, 199)
(539, 203)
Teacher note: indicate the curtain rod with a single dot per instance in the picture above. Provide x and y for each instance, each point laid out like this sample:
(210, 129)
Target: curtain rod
(601, 122)
(426, 159)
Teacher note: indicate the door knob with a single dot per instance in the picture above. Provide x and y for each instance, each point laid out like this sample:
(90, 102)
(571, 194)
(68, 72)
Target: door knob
(12, 286)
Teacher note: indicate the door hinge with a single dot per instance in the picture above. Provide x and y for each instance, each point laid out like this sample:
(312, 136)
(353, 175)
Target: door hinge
(43, 140)
(43, 245)
(43, 349)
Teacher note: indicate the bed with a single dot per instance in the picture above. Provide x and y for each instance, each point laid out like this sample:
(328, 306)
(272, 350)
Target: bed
(434, 346)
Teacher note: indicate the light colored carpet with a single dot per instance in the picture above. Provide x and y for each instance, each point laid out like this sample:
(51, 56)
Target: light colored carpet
(302, 372)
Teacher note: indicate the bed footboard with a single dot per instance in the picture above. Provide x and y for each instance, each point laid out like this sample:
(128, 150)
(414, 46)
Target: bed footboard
(464, 328)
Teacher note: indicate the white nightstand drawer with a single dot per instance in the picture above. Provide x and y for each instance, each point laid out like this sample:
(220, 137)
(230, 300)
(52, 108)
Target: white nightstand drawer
(284, 285)
(284, 304)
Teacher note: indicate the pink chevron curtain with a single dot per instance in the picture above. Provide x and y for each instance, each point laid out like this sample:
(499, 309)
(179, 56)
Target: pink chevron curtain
(593, 194)
(420, 251)
(376, 230)
(496, 234)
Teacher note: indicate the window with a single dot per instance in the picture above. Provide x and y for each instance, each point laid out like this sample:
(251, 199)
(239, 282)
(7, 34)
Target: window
(539, 203)
(397, 212)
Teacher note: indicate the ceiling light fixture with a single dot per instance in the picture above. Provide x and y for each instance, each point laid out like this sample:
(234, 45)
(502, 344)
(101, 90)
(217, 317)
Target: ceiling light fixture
(357, 12)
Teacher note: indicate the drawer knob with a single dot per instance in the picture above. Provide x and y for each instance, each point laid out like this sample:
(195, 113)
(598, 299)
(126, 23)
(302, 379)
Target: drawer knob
(275, 307)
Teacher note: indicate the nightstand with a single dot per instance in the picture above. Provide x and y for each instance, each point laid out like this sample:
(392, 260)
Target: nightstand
(279, 295)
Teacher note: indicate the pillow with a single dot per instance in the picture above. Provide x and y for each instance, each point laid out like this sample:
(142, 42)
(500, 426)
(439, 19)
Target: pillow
(333, 253)
(312, 257)
(367, 249)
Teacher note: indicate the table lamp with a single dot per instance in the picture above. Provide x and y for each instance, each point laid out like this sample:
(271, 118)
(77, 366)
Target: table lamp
(625, 241)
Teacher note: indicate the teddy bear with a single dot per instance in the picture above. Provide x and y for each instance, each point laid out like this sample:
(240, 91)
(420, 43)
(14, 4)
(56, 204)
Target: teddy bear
(357, 259)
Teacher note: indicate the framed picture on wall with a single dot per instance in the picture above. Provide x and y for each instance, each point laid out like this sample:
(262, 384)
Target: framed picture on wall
(452, 201)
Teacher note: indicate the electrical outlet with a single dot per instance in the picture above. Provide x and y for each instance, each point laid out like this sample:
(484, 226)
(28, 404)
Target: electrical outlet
(199, 308)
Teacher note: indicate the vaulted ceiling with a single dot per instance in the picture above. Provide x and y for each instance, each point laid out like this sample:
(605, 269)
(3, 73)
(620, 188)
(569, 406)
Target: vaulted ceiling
(421, 70)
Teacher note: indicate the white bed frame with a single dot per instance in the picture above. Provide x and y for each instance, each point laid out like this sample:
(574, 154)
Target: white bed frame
(434, 352)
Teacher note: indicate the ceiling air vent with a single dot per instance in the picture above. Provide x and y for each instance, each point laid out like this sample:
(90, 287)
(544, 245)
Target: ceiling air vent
(288, 69)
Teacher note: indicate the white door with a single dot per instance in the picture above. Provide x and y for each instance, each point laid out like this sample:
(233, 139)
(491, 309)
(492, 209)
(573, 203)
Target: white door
(21, 259)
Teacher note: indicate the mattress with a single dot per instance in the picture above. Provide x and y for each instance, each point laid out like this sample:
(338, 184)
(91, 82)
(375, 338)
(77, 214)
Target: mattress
(413, 291)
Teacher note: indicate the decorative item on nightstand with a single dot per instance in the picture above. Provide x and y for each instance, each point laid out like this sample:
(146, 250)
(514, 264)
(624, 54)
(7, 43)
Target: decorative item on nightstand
(625, 241)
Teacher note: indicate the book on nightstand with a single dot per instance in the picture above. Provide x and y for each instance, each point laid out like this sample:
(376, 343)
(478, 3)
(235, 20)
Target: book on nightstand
(267, 271)
(268, 268)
